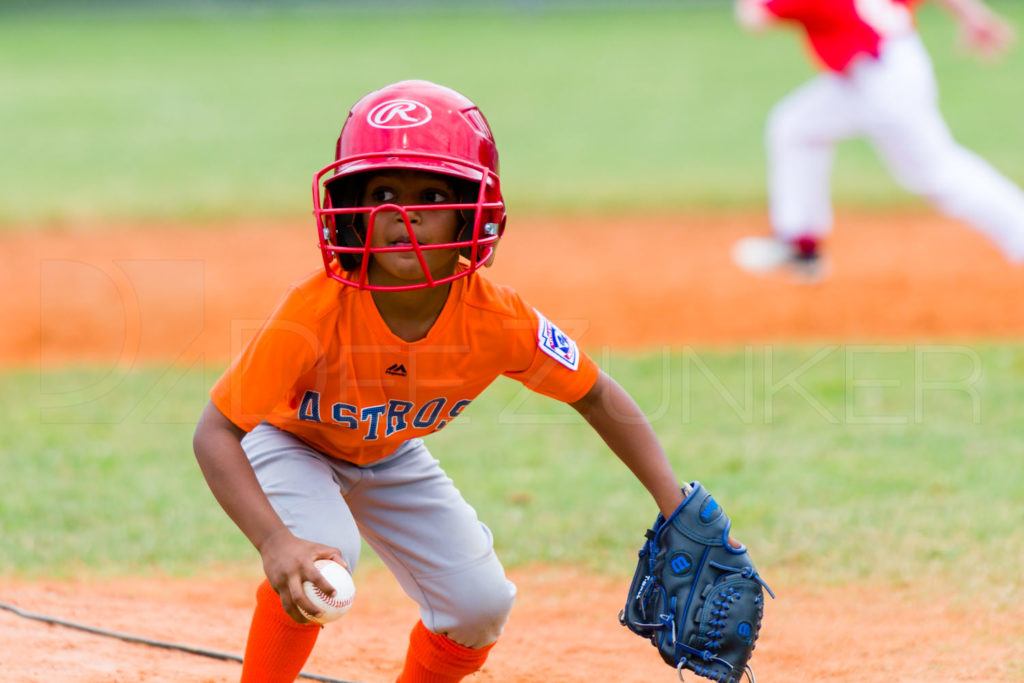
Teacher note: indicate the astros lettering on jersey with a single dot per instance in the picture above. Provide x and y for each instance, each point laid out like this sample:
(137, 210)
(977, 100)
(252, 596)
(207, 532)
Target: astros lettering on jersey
(326, 368)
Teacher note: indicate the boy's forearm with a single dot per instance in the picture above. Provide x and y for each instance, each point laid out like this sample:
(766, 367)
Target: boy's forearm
(231, 479)
(982, 30)
(965, 10)
(752, 15)
(618, 420)
(958, 6)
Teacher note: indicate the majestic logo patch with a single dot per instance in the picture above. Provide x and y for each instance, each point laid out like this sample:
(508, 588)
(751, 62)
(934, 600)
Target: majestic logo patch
(556, 344)
(397, 369)
(398, 114)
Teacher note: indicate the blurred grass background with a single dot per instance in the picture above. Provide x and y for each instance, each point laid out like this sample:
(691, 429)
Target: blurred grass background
(836, 463)
(212, 110)
(215, 110)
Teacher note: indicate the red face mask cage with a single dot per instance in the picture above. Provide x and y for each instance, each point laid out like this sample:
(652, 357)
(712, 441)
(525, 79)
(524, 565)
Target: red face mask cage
(476, 240)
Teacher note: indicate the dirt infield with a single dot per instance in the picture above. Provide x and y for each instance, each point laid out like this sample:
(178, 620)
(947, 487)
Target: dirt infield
(562, 630)
(154, 293)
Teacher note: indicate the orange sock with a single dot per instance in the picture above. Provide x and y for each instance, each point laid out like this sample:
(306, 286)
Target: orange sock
(433, 658)
(278, 647)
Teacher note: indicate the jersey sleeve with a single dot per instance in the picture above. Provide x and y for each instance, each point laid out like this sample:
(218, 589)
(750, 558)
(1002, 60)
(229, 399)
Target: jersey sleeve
(557, 368)
(264, 375)
(785, 9)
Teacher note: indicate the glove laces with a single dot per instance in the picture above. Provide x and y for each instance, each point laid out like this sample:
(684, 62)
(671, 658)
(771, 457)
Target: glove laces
(748, 673)
(747, 572)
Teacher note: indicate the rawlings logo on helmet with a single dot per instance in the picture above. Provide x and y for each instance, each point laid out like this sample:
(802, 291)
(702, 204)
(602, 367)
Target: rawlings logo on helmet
(398, 114)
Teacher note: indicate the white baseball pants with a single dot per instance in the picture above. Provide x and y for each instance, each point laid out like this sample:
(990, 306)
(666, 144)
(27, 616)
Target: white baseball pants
(893, 102)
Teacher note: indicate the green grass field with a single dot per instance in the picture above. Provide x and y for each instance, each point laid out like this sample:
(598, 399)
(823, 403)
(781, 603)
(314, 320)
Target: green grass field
(837, 463)
(208, 114)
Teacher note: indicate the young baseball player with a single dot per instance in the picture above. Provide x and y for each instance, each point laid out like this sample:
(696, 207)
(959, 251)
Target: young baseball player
(877, 83)
(312, 438)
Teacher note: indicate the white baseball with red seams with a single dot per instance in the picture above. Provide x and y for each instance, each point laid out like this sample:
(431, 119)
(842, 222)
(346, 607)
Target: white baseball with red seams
(331, 606)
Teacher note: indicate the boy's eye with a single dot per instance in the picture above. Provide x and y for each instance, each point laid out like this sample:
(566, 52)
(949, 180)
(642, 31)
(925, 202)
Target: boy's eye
(383, 195)
(435, 197)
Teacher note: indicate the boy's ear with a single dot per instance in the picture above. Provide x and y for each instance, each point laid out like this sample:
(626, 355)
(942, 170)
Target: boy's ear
(494, 252)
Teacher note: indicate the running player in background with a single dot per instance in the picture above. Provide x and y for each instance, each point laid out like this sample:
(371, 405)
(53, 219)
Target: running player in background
(877, 83)
(312, 438)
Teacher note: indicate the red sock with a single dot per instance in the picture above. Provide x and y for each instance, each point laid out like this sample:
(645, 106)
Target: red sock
(278, 646)
(433, 658)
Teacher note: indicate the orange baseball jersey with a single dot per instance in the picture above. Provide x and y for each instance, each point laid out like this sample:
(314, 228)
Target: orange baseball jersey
(326, 367)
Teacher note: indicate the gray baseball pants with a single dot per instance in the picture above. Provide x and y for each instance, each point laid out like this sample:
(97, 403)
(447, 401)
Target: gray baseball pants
(409, 511)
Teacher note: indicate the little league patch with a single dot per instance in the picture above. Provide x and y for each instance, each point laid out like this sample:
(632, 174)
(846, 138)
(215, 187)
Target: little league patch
(556, 343)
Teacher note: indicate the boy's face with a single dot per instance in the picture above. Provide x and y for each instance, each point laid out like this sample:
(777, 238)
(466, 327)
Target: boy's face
(430, 226)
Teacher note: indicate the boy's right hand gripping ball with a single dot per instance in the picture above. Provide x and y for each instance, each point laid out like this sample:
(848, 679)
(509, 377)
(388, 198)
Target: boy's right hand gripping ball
(331, 606)
(698, 599)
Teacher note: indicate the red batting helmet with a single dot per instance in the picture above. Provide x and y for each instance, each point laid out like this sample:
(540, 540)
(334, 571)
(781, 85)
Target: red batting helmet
(414, 125)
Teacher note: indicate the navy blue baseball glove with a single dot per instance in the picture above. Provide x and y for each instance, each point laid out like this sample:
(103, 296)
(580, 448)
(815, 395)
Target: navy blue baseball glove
(698, 599)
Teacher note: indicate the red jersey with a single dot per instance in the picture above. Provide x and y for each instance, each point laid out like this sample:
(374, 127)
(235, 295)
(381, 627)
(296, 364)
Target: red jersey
(839, 30)
(326, 367)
